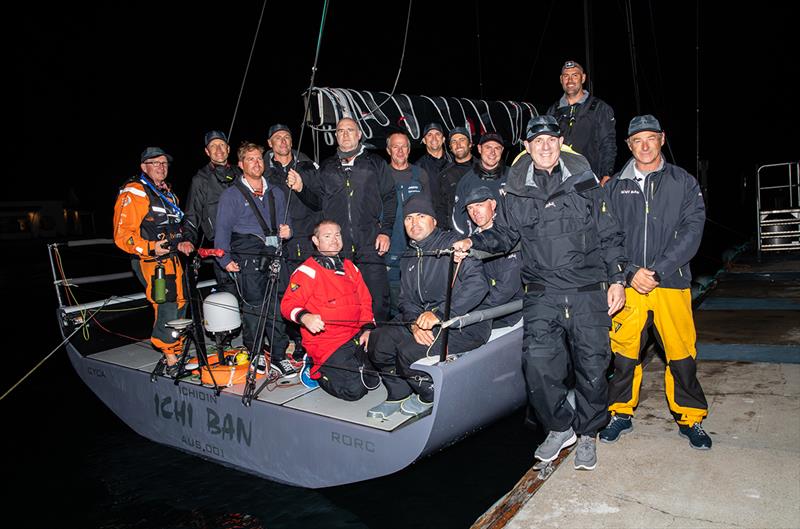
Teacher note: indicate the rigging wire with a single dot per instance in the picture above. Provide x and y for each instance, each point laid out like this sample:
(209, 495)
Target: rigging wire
(542, 34)
(480, 62)
(247, 68)
(632, 48)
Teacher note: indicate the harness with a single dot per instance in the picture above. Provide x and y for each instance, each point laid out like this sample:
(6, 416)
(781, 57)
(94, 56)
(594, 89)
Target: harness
(248, 196)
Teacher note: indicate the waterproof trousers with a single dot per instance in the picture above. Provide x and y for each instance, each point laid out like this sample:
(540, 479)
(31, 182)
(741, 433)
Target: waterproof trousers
(172, 309)
(566, 335)
(392, 349)
(341, 374)
(670, 311)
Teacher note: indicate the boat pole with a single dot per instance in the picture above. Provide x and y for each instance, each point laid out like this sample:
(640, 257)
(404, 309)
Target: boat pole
(447, 302)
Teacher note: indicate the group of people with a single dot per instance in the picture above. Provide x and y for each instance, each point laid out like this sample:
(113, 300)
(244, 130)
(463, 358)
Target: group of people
(354, 251)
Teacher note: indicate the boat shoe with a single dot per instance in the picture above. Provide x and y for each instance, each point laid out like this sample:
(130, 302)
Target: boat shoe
(385, 409)
(414, 406)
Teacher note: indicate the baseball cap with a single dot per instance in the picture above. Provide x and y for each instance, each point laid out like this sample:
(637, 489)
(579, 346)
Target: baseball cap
(643, 123)
(491, 136)
(153, 152)
(215, 134)
(478, 194)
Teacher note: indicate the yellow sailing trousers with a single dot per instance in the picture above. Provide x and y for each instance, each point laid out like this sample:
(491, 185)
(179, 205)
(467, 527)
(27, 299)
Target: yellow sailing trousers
(670, 310)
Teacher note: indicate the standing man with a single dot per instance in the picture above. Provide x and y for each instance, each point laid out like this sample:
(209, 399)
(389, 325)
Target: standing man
(573, 263)
(409, 179)
(248, 231)
(207, 186)
(460, 141)
(146, 225)
(587, 123)
(329, 298)
(661, 208)
(423, 294)
(436, 156)
(355, 190)
(279, 160)
(489, 171)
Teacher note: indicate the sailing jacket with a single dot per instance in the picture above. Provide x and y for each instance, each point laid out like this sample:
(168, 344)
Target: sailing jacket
(340, 297)
(360, 197)
(448, 180)
(663, 224)
(206, 188)
(434, 166)
(423, 284)
(495, 180)
(569, 237)
(505, 284)
(588, 127)
(303, 218)
(142, 217)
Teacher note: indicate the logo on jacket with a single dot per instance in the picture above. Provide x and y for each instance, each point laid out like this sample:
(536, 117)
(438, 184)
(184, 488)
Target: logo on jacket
(550, 205)
(629, 192)
(294, 286)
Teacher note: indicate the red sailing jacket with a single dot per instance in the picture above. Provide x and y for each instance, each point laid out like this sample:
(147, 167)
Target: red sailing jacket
(342, 300)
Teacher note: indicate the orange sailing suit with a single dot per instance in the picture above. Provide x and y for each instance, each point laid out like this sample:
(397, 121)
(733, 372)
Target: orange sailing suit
(142, 218)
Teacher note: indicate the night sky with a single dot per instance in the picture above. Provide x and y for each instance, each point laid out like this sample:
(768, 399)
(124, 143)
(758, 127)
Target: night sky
(100, 83)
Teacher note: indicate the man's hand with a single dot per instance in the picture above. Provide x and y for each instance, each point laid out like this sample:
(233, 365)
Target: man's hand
(462, 248)
(284, 232)
(294, 181)
(363, 340)
(382, 243)
(185, 247)
(421, 336)
(161, 247)
(313, 322)
(232, 267)
(616, 298)
(643, 281)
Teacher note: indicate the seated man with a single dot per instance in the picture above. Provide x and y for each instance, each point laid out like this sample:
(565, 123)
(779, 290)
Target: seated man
(502, 271)
(328, 297)
(423, 290)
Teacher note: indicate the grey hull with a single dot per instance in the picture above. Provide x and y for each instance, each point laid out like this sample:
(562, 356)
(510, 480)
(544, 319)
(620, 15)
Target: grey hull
(307, 449)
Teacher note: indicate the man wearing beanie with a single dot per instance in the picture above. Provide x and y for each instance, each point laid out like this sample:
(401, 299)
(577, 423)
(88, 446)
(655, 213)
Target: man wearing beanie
(423, 290)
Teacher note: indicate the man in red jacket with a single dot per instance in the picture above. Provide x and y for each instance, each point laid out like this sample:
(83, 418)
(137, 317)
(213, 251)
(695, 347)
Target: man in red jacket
(328, 298)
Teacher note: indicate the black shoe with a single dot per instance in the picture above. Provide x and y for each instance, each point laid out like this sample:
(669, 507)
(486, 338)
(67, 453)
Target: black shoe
(298, 353)
(698, 438)
(284, 369)
(261, 364)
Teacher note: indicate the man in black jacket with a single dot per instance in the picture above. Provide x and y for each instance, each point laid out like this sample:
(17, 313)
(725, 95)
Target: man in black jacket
(661, 208)
(573, 262)
(587, 122)
(460, 141)
(354, 188)
(201, 212)
(436, 156)
(423, 290)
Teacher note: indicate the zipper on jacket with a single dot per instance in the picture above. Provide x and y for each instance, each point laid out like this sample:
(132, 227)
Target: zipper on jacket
(566, 307)
(646, 214)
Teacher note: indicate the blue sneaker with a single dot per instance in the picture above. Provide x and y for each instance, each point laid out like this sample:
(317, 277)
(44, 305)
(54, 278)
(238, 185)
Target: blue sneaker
(697, 437)
(619, 426)
(305, 373)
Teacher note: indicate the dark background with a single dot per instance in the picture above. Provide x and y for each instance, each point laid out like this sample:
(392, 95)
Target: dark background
(100, 83)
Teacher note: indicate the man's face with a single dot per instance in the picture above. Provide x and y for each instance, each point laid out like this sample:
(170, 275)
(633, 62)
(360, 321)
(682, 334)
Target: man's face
(460, 146)
(328, 239)
(398, 148)
(156, 168)
(545, 151)
(281, 143)
(482, 213)
(646, 146)
(253, 164)
(433, 141)
(217, 151)
(347, 134)
(572, 80)
(491, 153)
(419, 225)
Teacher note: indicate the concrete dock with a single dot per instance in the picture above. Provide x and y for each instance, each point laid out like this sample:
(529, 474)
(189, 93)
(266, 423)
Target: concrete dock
(748, 350)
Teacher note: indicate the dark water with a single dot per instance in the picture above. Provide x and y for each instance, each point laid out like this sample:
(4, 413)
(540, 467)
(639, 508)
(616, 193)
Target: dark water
(70, 462)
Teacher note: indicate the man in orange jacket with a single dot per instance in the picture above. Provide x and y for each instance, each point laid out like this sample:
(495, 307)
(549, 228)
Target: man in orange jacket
(146, 225)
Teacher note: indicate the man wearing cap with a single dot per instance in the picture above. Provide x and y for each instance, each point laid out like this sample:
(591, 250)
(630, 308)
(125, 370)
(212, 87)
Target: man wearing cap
(587, 122)
(147, 225)
(250, 228)
(502, 271)
(207, 186)
(661, 209)
(460, 141)
(573, 262)
(409, 179)
(354, 188)
(423, 291)
(436, 156)
(489, 171)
